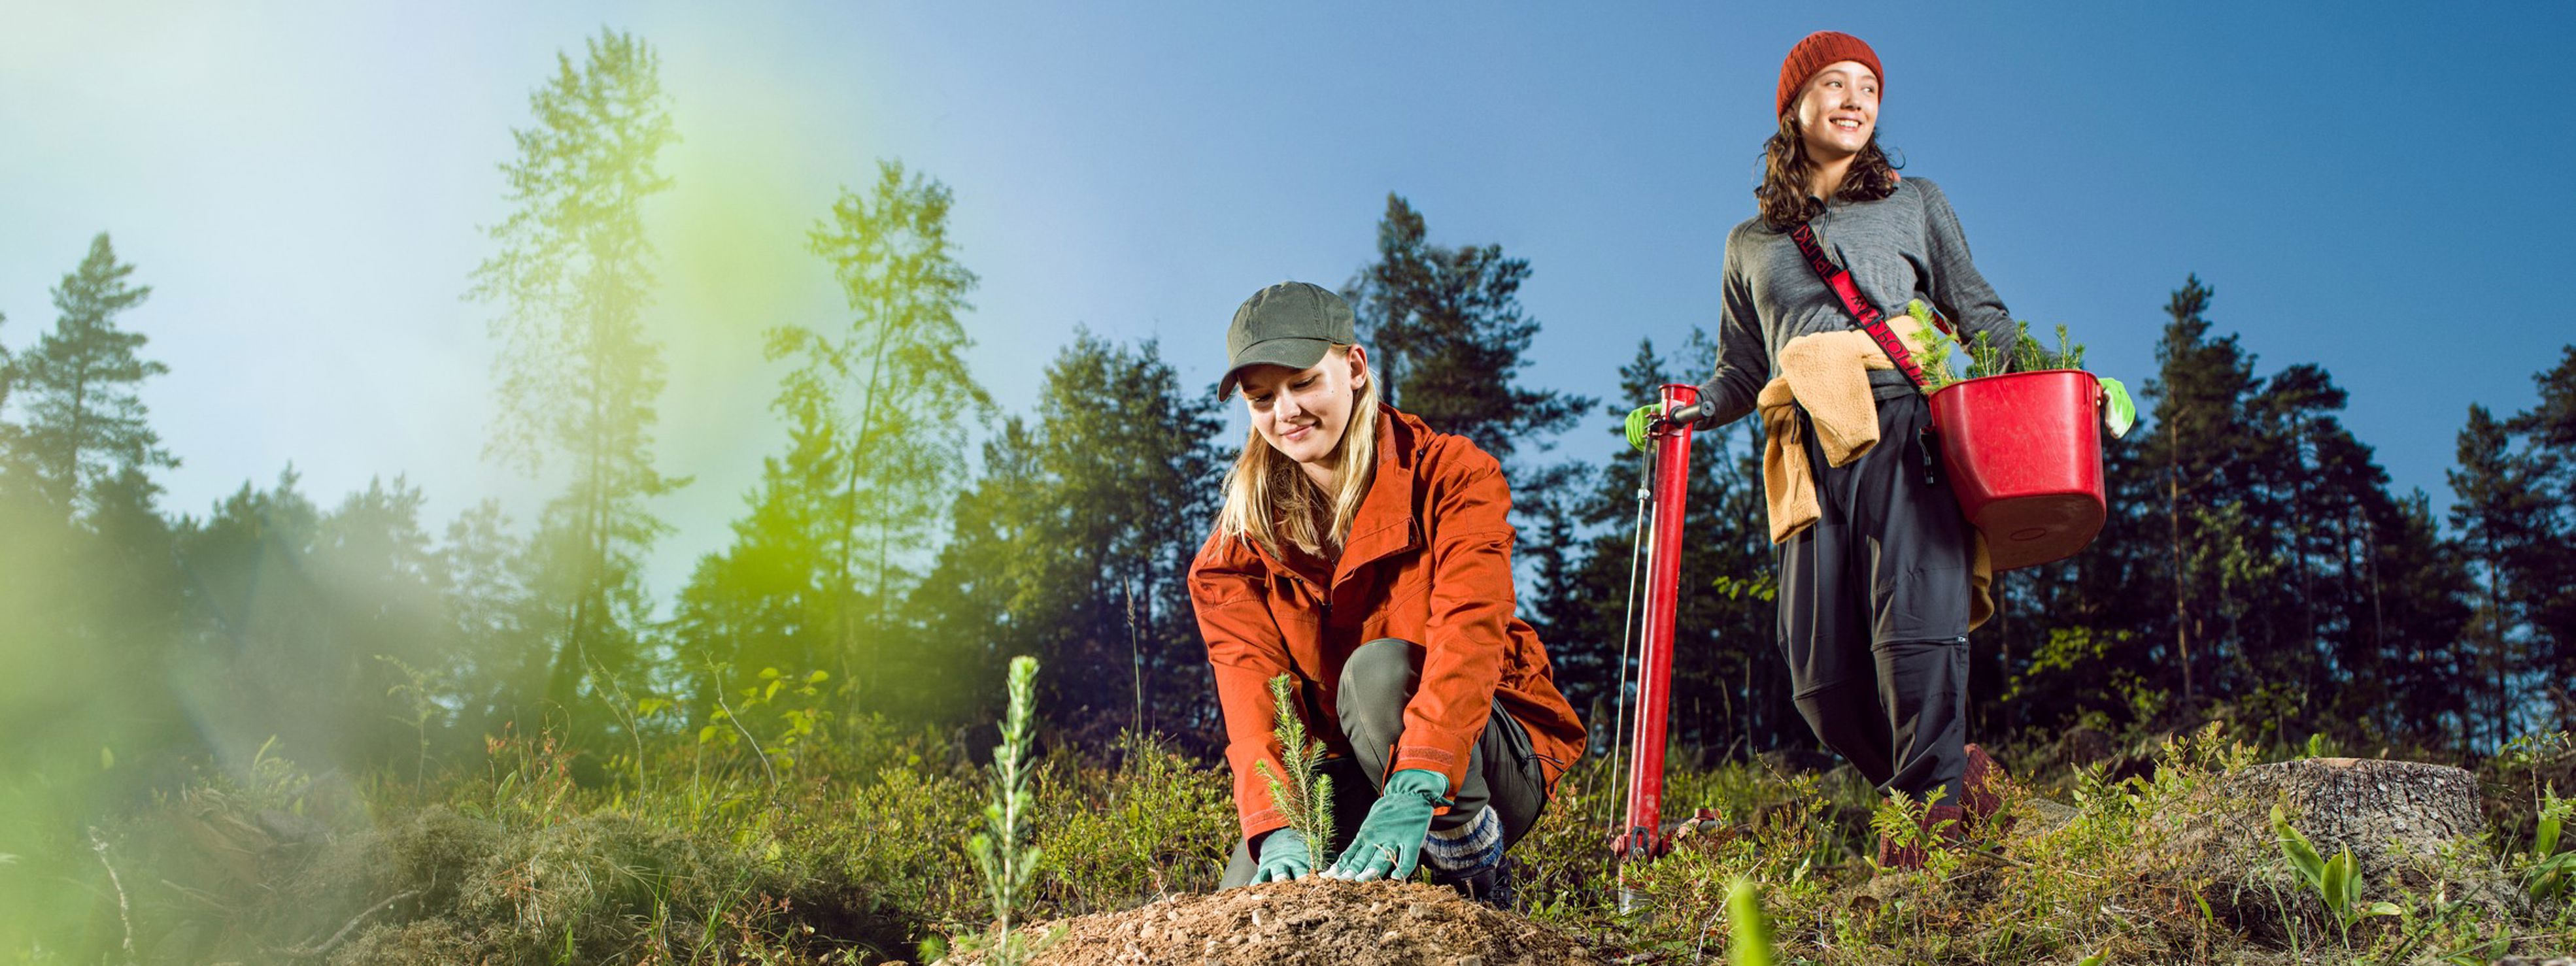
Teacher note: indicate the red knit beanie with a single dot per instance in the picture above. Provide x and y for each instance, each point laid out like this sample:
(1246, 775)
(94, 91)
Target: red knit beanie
(1812, 54)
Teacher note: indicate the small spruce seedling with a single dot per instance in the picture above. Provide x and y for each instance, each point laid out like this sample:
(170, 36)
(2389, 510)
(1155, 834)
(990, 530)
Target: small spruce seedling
(1937, 347)
(1305, 797)
(1007, 866)
(2024, 352)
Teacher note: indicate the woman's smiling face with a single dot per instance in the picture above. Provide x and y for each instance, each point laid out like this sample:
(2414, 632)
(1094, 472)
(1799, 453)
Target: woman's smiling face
(1303, 412)
(1838, 111)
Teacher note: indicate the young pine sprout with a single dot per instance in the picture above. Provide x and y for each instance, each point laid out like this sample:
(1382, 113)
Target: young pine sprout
(1305, 797)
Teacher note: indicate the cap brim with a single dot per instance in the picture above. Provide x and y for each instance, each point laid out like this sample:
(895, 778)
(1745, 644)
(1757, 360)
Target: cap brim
(1295, 353)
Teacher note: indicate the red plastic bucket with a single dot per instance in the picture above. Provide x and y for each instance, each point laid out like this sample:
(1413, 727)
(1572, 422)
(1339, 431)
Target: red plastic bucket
(2023, 453)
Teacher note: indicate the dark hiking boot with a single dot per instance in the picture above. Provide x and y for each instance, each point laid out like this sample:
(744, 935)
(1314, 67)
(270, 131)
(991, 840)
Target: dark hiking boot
(1490, 884)
(1948, 831)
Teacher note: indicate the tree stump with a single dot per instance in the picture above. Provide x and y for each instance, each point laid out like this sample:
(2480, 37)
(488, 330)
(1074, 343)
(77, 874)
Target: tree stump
(2410, 826)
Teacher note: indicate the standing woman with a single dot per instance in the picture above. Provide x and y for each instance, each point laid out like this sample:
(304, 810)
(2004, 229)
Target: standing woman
(1369, 559)
(1875, 595)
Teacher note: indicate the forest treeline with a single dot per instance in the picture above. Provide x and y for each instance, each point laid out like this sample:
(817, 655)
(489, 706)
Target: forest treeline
(900, 546)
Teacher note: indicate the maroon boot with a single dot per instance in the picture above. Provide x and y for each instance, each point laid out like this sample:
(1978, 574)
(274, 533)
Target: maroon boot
(1983, 787)
(1949, 830)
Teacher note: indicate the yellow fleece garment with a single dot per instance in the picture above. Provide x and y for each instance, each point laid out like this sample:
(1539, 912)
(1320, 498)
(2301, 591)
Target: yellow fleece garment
(1827, 373)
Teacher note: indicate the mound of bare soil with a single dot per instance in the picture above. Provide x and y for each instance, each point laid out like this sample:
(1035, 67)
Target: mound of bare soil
(1314, 921)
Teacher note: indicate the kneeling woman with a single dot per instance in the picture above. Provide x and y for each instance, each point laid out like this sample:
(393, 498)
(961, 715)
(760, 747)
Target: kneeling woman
(1368, 558)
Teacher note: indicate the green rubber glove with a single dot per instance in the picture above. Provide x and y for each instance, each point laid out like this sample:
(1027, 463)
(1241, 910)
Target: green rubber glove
(1284, 856)
(1389, 842)
(1641, 426)
(2118, 413)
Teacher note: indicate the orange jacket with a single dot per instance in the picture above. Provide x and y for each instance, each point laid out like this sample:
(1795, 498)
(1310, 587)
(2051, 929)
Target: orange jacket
(1428, 560)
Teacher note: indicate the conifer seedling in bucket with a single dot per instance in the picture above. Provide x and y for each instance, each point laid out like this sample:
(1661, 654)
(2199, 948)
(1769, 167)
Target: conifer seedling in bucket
(2023, 449)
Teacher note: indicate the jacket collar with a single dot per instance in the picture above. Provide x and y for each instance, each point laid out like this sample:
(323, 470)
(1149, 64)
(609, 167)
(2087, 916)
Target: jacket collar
(1384, 525)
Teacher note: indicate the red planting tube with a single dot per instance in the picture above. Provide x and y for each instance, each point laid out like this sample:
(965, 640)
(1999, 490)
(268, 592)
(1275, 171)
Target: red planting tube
(1644, 826)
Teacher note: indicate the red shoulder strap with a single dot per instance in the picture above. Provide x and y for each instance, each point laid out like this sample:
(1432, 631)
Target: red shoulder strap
(1867, 316)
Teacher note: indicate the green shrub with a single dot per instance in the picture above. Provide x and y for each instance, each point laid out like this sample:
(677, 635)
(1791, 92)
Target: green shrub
(1159, 824)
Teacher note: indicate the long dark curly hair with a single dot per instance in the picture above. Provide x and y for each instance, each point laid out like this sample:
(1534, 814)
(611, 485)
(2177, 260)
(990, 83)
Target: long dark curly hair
(1785, 169)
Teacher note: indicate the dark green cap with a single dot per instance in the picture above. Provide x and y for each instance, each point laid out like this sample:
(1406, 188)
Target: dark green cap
(1289, 324)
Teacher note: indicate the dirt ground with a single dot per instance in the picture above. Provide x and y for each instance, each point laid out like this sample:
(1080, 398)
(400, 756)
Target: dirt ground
(1313, 922)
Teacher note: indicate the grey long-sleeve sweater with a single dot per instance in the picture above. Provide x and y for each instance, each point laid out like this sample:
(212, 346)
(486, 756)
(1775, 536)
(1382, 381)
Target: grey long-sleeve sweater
(1902, 247)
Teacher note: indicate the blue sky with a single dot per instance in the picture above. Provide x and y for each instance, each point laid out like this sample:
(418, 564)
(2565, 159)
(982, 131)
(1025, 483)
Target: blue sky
(302, 185)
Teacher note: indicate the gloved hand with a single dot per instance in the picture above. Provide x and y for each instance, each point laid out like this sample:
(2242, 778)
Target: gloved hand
(1284, 856)
(1389, 842)
(1641, 425)
(2118, 413)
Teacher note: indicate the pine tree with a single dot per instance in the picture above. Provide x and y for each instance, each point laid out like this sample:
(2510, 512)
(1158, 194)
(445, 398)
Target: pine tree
(1447, 333)
(769, 600)
(577, 373)
(1134, 466)
(2500, 519)
(2549, 573)
(85, 419)
(2198, 392)
(2296, 589)
(1075, 542)
(494, 619)
(985, 595)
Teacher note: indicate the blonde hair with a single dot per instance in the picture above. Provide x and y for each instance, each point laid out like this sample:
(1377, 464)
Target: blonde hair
(1268, 497)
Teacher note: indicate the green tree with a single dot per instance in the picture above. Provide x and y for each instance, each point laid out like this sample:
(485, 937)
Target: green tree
(2314, 646)
(877, 410)
(991, 587)
(2198, 391)
(1131, 454)
(85, 420)
(2501, 521)
(1729, 683)
(16, 466)
(2293, 591)
(577, 374)
(496, 619)
(2549, 432)
(769, 600)
(888, 394)
(2413, 591)
(300, 621)
(8, 374)
(1448, 332)
(1076, 540)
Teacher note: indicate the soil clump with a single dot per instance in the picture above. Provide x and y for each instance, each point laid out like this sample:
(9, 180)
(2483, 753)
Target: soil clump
(1313, 921)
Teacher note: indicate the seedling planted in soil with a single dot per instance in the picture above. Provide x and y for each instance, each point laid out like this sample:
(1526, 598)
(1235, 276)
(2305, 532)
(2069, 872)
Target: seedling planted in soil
(1306, 796)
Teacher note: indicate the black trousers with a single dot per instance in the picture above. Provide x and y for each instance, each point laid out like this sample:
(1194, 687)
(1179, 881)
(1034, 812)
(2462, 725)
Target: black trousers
(1502, 769)
(1874, 609)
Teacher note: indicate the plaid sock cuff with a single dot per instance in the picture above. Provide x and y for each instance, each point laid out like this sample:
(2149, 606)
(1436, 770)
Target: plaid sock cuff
(1473, 845)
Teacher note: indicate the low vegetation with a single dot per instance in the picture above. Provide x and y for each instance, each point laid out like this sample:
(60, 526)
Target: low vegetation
(866, 852)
